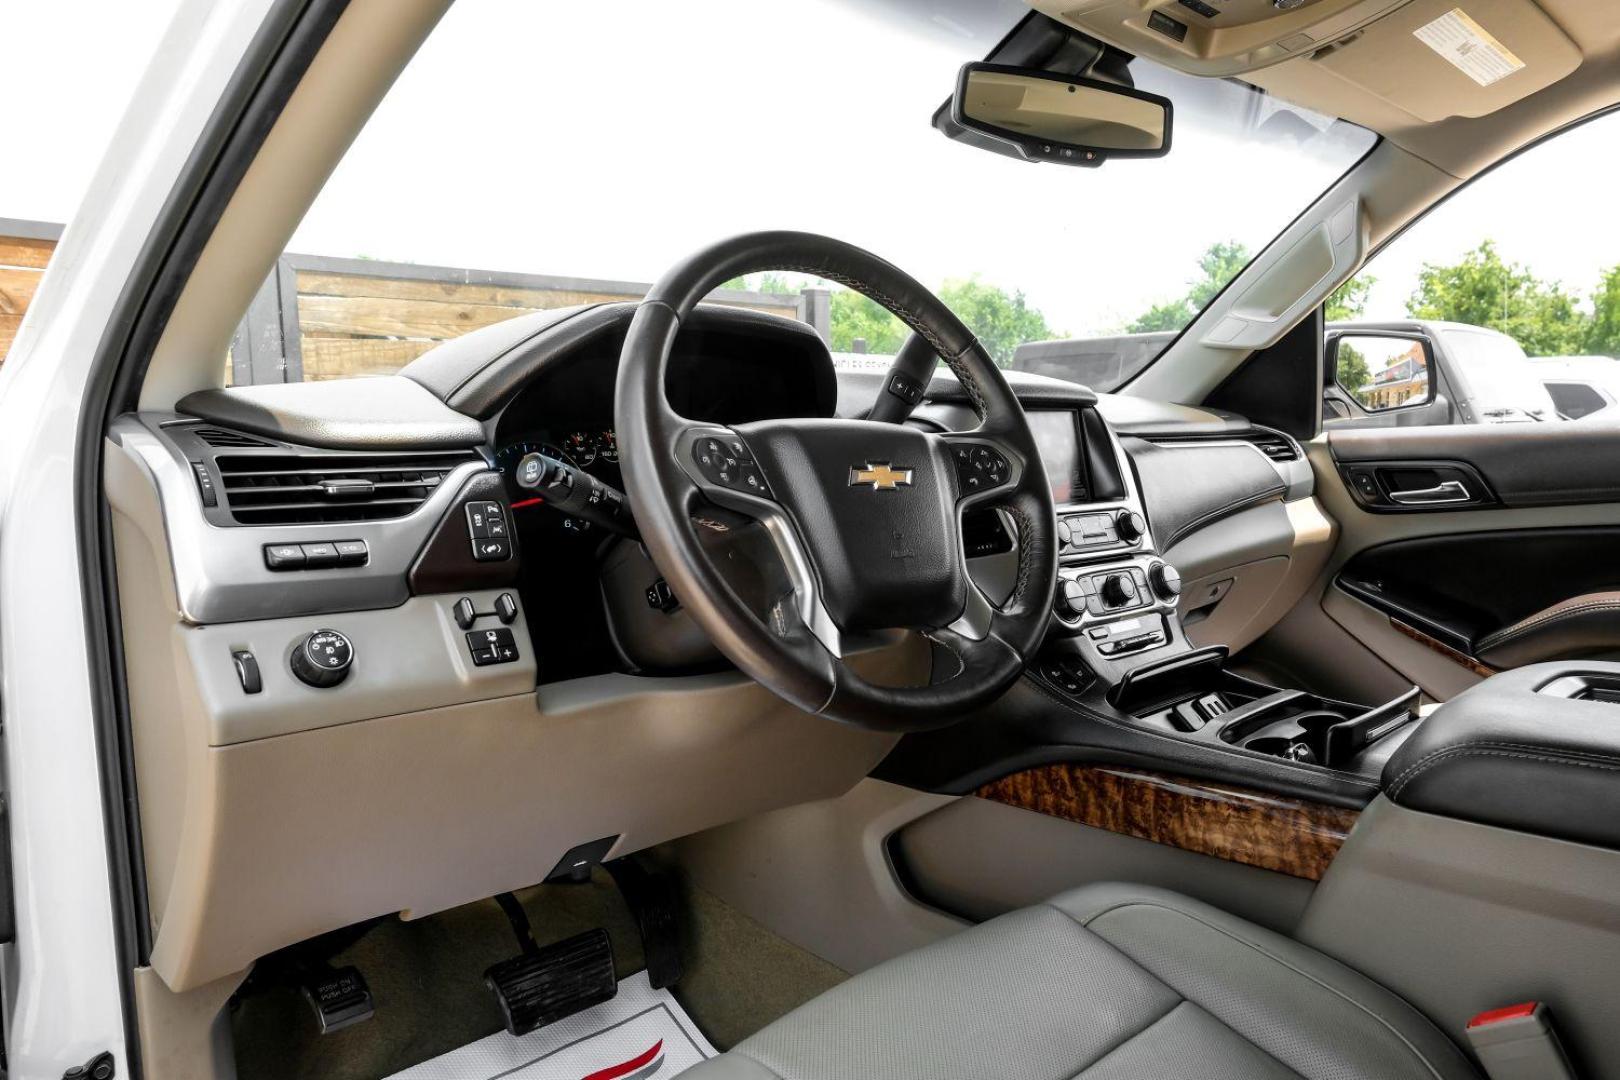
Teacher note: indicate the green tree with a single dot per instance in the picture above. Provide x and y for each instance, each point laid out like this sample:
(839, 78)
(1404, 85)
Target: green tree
(1349, 300)
(854, 315)
(1603, 332)
(1352, 370)
(1220, 263)
(1485, 290)
(1001, 321)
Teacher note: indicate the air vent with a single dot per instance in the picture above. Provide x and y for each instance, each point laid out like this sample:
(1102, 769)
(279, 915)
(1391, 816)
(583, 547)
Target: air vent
(292, 489)
(214, 436)
(1276, 446)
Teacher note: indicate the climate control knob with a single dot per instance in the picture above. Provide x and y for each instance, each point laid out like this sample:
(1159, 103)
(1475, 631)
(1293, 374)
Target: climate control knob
(1166, 580)
(1118, 590)
(323, 659)
(1129, 526)
(1071, 598)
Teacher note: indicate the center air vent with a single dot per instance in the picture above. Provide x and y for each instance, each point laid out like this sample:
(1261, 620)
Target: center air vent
(1276, 446)
(293, 489)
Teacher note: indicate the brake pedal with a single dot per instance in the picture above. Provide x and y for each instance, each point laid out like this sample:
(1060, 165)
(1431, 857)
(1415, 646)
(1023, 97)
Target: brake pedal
(340, 997)
(545, 985)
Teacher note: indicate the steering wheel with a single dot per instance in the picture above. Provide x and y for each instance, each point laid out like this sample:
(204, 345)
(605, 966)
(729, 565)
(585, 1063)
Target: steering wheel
(866, 517)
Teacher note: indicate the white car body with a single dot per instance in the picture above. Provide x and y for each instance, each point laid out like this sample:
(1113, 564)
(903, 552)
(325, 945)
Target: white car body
(62, 975)
(1591, 384)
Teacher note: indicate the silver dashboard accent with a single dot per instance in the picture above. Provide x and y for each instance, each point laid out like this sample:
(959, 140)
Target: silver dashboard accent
(219, 572)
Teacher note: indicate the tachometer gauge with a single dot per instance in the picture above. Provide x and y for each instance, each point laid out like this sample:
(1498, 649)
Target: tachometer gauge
(581, 447)
(607, 445)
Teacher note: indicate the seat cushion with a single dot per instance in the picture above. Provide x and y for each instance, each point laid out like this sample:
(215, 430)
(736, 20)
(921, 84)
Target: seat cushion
(1105, 982)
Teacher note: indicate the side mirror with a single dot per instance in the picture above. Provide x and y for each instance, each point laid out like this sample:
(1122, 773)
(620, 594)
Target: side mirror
(1382, 370)
(1061, 118)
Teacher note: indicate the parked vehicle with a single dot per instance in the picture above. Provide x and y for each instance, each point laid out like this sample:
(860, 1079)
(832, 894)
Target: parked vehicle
(1582, 387)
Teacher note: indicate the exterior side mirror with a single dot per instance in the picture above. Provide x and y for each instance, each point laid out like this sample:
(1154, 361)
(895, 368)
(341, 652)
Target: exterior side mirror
(1061, 118)
(1383, 370)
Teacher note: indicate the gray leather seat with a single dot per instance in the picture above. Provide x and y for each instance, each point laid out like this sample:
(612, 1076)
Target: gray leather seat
(1105, 982)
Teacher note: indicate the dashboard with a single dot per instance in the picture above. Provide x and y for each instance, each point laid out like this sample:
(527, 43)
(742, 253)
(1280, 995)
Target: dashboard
(513, 685)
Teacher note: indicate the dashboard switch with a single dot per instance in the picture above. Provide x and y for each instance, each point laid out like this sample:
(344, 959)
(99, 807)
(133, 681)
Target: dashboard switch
(496, 646)
(491, 549)
(205, 484)
(319, 556)
(247, 671)
(322, 660)
(505, 608)
(486, 520)
(352, 552)
(284, 556)
(465, 613)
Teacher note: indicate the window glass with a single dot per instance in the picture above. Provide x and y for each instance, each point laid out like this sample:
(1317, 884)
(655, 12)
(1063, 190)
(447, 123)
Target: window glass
(578, 178)
(1510, 276)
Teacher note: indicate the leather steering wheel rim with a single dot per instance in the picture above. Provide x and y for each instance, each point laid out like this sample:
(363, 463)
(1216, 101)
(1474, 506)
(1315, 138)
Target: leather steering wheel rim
(802, 465)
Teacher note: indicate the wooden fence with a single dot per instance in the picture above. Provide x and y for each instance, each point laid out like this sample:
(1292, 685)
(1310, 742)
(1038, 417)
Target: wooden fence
(325, 318)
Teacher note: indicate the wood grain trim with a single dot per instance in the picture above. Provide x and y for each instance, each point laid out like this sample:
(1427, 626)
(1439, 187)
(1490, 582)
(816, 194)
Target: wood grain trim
(1273, 832)
(1478, 667)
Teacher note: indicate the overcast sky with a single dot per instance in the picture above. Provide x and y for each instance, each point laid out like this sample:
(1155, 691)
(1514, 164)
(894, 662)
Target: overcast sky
(604, 140)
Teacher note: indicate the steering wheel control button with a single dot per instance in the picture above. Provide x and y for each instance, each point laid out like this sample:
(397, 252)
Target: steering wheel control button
(905, 388)
(323, 659)
(506, 608)
(247, 671)
(351, 552)
(283, 556)
(980, 468)
(660, 597)
(319, 556)
(464, 612)
(496, 646)
(726, 463)
(1129, 526)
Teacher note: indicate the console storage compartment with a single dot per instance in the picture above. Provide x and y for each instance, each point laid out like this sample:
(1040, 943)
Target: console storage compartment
(1536, 750)
(1196, 697)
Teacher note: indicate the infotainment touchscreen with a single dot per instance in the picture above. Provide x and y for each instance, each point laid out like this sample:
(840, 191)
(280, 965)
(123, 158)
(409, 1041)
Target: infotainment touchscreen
(1058, 436)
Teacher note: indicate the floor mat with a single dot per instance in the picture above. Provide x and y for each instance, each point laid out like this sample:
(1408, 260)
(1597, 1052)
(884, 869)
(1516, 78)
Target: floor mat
(642, 1034)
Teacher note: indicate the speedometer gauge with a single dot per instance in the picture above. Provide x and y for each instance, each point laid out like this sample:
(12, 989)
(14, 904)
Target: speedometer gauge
(580, 446)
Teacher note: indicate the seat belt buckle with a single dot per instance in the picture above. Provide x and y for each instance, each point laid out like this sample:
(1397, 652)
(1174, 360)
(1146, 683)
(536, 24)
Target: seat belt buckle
(1517, 1042)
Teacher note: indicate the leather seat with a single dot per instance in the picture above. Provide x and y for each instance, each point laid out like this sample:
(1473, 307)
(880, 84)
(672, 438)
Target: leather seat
(1102, 983)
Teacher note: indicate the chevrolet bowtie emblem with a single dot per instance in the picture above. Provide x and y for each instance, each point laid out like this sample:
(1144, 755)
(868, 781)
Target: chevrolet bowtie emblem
(881, 475)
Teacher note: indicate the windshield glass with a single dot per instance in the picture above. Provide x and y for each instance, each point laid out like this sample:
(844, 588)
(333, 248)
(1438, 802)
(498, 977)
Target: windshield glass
(519, 143)
(1501, 382)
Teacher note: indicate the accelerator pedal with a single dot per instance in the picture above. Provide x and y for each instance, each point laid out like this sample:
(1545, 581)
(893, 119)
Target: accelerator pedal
(339, 997)
(654, 898)
(543, 985)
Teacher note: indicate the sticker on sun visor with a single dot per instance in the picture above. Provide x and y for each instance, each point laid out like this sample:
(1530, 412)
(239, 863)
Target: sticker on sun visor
(1469, 47)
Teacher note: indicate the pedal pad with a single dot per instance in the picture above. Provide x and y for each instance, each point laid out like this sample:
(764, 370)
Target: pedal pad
(339, 997)
(546, 985)
(654, 899)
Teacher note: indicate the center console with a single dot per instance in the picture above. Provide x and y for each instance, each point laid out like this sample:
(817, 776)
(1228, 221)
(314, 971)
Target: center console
(1117, 645)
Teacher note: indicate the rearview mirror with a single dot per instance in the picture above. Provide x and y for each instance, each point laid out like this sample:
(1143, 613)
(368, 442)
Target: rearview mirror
(1061, 118)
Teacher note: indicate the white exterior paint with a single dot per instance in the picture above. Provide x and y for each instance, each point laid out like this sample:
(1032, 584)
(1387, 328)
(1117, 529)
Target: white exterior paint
(60, 978)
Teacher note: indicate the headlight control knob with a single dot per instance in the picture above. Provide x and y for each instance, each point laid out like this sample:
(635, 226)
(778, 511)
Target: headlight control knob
(1166, 580)
(323, 659)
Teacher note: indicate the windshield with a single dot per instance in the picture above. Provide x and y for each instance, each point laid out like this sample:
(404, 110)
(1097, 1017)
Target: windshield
(517, 143)
(1502, 385)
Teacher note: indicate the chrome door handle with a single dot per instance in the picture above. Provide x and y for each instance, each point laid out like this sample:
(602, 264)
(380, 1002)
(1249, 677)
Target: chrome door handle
(1451, 491)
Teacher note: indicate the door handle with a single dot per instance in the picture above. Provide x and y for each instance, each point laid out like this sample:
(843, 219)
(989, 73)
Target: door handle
(1449, 491)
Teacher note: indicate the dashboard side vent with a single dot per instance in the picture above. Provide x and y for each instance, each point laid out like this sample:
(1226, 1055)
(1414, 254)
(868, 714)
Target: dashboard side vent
(224, 438)
(1275, 445)
(296, 489)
